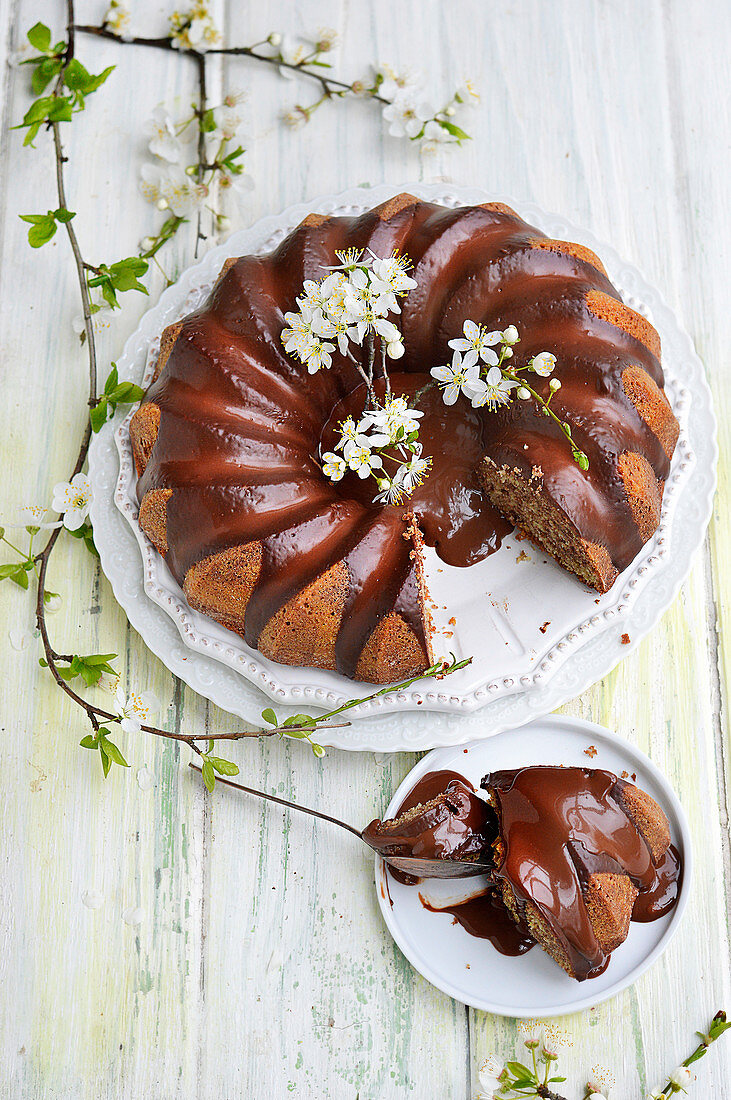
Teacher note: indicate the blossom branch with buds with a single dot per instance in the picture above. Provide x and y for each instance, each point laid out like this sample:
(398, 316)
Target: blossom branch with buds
(483, 376)
(55, 65)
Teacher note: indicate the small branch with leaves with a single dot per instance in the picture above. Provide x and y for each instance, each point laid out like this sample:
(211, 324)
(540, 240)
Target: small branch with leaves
(485, 377)
(55, 65)
(544, 1041)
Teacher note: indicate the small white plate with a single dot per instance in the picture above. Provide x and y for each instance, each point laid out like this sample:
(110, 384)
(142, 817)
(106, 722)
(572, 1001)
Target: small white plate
(530, 985)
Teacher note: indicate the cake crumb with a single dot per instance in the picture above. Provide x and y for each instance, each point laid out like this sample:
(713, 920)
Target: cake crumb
(625, 639)
(591, 751)
(452, 621)
(448, 633)
(545, 626)
(467, 966)
(522, 556)
(634, 777)
(624, 775)
(520, 535)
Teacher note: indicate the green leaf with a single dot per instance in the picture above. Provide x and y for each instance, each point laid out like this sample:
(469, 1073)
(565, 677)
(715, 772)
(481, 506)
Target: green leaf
(63, 215)
(39, 37)
(112, 380)
(300, 720)
(99, 658)
(209, 777)
(113, 753)
(223, 767)
(60, 110)
(208, 121)
(20, 578)
(106, 761)
(95, 82)
(88, 742)
(98, 414)
(108, 294)
(44, 72)
(269, 716)
(455, 131)
(519, 1070)
(126, 393)
(42, 228)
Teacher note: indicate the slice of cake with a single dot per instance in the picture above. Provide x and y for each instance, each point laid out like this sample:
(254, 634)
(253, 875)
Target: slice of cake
(575, 849)
(452, 823)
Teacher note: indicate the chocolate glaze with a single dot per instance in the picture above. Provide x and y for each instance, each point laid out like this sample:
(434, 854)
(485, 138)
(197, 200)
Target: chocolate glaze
(240, 420)
(459, 826)
(485, 917)
(558, 826)
(656, 902)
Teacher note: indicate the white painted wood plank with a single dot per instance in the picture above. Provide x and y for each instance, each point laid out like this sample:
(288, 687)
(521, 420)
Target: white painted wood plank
(262, 965)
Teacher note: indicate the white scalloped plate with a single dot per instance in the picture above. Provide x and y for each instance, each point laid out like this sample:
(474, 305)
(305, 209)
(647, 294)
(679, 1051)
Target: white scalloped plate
(531, 985)
(533, 615)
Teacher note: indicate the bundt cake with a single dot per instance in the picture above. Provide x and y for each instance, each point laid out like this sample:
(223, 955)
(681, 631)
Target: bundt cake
(579, 854)
(227, 441)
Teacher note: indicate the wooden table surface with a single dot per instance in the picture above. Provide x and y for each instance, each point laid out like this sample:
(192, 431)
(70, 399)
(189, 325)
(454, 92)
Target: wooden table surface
(261, 966)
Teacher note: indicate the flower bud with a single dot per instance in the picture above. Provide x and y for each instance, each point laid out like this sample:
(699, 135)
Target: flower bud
(510, 336)
(554, 385)
(162, 204)
(450, 112)
(274, 39)
(523, 393)
(191, 170)
(507, 353)
(395, 349)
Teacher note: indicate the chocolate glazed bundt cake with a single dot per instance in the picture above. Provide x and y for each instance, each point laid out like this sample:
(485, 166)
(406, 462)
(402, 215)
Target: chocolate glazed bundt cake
(227, 441)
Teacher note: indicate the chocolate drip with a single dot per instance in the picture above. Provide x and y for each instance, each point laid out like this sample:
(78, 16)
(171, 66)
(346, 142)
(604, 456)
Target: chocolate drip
(378, 567)
(240, 420)
(485, 917)
(558, 827)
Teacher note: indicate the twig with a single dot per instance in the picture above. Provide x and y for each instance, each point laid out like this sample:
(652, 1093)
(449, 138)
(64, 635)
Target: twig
(329, 85)
(284, 802)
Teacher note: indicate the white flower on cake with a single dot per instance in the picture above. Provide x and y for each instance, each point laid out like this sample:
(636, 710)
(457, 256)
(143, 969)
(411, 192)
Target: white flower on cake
(73, 499)
(543, 364)
(459, 376)
(134, 710)
(164, 142)
(333, 466)
(361, 459)
(476, 344)
(488, 380)
(492, 391)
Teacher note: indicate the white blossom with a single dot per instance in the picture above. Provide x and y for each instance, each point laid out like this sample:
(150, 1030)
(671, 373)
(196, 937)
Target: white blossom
(466, 95)
(101, 319)
(73, 499)
(543, 363)
(510, 335)
(20, 639)
(163, 141)
(333, 466)
(407, 113)
(134, 710)
(531, 1032)
(460, 376)
(33, 515)
(362, 460)
(488, 1074)
(681, 1076)
(117, 20)
(392, 271)
(414, 473)
(477, 343)
(194, 29)
(493, 391)
(318, 356)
